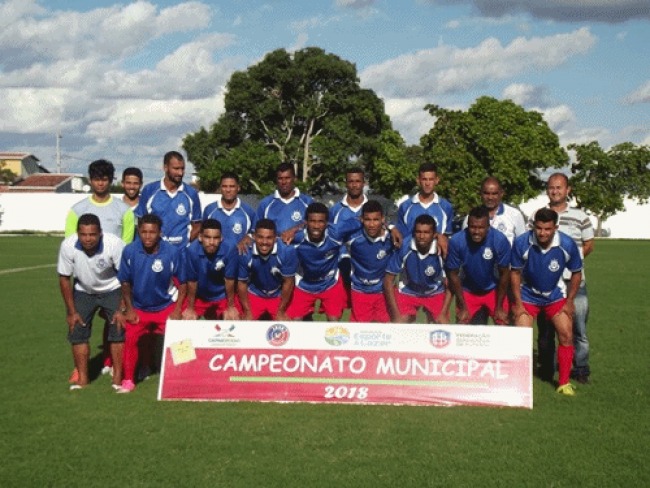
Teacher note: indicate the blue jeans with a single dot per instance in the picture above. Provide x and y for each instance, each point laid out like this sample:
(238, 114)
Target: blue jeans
(546, 339)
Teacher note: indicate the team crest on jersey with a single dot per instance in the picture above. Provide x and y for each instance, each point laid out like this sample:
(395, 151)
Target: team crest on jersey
(275, 271)
(501, 227)
(181, 210)
(218, 265)
(237, 228)
(381, 254)
(296, 216)
(487, 254)
(554, 265)
(101, 263)
(157, 266)
(430, 271)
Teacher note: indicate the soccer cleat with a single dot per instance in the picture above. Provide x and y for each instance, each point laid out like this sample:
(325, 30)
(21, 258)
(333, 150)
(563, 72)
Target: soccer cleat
(107, 370)
(583, 379)
(127, 387)
(74, 376)
(116, 387)
(567, 389)
(75, 386)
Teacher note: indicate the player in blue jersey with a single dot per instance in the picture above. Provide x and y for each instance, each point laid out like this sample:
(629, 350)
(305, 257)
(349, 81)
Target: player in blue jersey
(176, 203)
(148, 267)
(266, 275)
(478, 269)
(237, 217)
(349, 206)
(422, 281)
(211, 272)
(426, 201)
(287, 205)
(539, 259)
(318, 279)
(370, 249)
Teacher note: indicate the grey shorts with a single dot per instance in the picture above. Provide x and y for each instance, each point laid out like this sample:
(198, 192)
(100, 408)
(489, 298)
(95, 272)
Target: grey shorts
(86, 306)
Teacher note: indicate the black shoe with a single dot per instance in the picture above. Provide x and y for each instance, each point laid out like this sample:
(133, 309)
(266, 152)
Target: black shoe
(583, 379)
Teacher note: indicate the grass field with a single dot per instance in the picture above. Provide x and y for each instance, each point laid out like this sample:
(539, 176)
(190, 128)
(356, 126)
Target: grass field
(52, 437)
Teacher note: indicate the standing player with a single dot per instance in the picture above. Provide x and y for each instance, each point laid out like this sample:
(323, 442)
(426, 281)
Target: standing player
(93, 259)
(426, 201)
(131, 184)
(210, 270)
(349, 207)
(481, 254)
(237, 217)
(176, 203)
(421, 277)
(318, 278)
(286, 206)
(148, 266)
(539, 259)
(267, 275)
(576, 224)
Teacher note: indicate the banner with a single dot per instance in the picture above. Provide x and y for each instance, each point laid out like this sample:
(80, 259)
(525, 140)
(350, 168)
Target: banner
(415, 364)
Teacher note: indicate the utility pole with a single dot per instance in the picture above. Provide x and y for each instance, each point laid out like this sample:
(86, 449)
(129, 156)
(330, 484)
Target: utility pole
(58, 151)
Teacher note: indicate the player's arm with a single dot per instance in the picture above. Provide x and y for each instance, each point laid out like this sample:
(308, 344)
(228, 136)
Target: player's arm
(288, 235)
(71, 315)
(231, 312)
(569, 307)
(288, 284)
(520, 316)
(190, 313)
(242, 293)
(500, 314)
(391, 300)
(195, 228)
(456, 287)
(177, 313)
(443, 244)
(587, 247)
(443, 316)
(128, 312)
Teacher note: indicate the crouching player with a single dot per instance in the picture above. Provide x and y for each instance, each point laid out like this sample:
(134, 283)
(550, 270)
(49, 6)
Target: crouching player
(148, 266)
(482, 255)
(210, 271)
(267, 274)
(421, 277)
(539, 258)
(93, 259)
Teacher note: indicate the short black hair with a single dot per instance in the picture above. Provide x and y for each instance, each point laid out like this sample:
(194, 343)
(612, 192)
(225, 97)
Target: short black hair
(89, 219)
(101, 168)
(427, 167)
(150, 219)
(316, 208)
(425, 219)
(172, 155)
(284, 167)
(545, 214)
(267, 224)
(229, 175)
(480, 212)
(356, 170)
(372, 206)
(132, 171)
(210, 224)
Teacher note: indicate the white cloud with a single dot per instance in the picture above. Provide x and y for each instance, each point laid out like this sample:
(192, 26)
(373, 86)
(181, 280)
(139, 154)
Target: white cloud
(32, 110)
(525, 94)
(409, 117)
(640, 95)
(448, 69)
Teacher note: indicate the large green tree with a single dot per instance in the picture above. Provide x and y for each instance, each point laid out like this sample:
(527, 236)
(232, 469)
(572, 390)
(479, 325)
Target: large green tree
(492, 138)
(601, 180)
(305, 107)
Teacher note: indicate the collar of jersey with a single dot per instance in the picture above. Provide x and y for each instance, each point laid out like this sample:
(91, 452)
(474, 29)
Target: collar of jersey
(346, 204)
(317, 244)
(416, 199)
(276, 194)
(220, 207)
(432, 250)
(555, 243)
(164, 188)
(273, 251)
(101, 204)
(380, 238)
(100, 245)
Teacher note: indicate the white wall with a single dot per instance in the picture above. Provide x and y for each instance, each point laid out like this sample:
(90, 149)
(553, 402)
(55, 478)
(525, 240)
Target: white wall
(47, 212)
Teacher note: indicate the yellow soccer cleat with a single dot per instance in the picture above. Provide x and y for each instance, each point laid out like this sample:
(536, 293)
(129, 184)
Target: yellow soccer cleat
(567, 389)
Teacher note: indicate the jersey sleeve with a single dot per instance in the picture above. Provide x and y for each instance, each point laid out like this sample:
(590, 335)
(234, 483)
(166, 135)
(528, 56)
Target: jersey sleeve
(71, 223)
(124, 273)
(401, 219)
(230, 272)
(449, 211)
(504, 250)
(191, 266)
(394, 265)
(196, 207)
(453, 254)
(575, 261)
(517, 255)
(519, 223)
(289, 262)
(208, 210)
(180, 268)
(242, 266)
(65, 264)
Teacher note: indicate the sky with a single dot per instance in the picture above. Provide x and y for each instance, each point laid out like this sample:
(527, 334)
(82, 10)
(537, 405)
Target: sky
(126, 81)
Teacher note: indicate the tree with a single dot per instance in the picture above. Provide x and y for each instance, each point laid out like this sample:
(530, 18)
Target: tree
(602, 179)
(6, 175)
(305, 107)
(492, 138)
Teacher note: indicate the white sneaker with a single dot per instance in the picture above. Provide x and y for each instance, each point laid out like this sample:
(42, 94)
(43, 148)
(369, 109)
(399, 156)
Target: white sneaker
(107, 370)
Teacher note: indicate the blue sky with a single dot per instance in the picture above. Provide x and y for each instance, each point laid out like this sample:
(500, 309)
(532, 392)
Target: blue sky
(126, 81)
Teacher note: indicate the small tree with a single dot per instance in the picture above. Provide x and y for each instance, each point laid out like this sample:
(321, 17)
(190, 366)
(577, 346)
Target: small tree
(6, 175)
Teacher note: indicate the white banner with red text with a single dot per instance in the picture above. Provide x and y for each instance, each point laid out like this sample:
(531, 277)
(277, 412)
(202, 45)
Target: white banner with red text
(411, 364)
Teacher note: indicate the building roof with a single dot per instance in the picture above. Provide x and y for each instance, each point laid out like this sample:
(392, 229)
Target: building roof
(40, 182)
(16, 155)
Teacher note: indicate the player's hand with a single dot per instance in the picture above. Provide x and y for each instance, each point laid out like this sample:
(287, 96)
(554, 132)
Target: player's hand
(189, 314)
(247, 315)
(231, 313)
(443, 244)
(396, 237)
(131, 317)
(282, 316)
(243, 244)
(569, 308)
(176, 314)
(462, 316)
(443, 317)
(74, 319)
(288, 235)
(500, 316)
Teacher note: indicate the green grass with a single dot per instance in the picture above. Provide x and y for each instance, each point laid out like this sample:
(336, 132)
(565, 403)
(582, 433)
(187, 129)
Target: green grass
(52, 437)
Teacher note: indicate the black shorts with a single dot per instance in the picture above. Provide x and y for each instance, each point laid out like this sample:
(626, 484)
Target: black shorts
(86, 306)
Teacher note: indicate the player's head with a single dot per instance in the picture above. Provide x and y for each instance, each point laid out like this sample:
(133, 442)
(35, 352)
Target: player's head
(478, 223)
(355, 179)
(149, 231)
(316, 216)
(372, 218)
(285, 179)
(424, 232)
(210, 235)
(229, 186)
(264, 236)
(132, 182)
(544, 226)
(491, 192)
(101, 174)
(427, 178)
(558, 189)
(174, 167)
(89, 231)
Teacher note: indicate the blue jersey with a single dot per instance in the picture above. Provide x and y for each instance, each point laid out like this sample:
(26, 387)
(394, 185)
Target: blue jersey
(318, 262)
(541, 269)
(150, 275)
(235, 223)
(369, 260)
(176, 210)
(265, 274)
(421, 275)
(341, 211)
(479, 261)
(439, 208)
(210, 271)
(285, 213)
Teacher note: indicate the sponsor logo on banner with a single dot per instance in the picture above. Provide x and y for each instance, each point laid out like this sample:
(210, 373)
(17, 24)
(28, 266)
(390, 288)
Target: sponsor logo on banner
(440, 338)
(277, 335)
(473, 340)
(224, 335)
(372, 338)
(337, 336)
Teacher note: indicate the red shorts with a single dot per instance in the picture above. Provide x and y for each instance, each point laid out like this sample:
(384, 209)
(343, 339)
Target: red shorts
(550, 310)
(153, 322)
(369, 307)
(261, 305)
(210, 309)
(476, 302)
(408, 304)
(332, 302)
